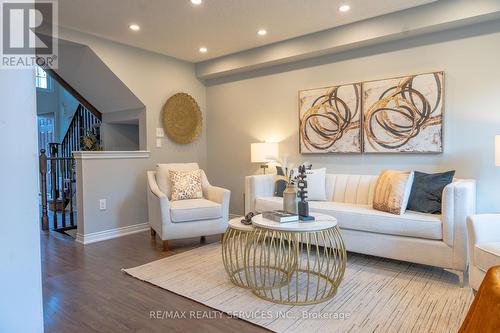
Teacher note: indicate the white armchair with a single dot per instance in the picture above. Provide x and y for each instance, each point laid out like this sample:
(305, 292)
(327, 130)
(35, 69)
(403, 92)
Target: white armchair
(484, 246)
(185, 218)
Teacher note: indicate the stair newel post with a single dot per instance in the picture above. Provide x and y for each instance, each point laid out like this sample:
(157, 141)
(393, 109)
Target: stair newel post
(62, 162)
(71, 173)
(43, 179)
(53, 169)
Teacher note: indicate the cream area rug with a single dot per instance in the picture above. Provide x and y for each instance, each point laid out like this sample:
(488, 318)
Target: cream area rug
(376, 295)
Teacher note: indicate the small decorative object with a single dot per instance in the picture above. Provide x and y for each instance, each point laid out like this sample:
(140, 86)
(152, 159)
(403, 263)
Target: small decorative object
(280, 187)
(303, 206)
(264, 152)
(330, 119)
(290, 198)
(182, 119)
(280, 216)
(404, 114)
(90, 141)
(248, 218)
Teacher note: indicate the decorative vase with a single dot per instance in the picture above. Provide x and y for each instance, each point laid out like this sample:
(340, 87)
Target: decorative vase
(290, 199)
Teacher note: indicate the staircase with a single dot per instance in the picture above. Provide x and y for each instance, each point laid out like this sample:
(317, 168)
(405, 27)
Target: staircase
(84, 122)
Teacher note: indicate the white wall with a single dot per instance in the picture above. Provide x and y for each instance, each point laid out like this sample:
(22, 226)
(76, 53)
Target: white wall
(59, 102)
(263, 106)
(20, 277)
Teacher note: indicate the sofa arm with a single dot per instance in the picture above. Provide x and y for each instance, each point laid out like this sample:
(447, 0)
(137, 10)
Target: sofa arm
(459, 201)
(257, 186)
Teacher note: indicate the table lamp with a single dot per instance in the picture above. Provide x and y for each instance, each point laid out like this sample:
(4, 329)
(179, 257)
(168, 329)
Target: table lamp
(264, 152)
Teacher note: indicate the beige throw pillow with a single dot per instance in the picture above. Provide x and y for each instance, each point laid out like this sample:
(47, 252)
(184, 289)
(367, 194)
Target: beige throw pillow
(185, 185)
(392, 191)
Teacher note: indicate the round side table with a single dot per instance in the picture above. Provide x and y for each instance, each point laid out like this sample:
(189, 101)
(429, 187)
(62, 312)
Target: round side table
(234, 255)
(233, 248)
(312, 254)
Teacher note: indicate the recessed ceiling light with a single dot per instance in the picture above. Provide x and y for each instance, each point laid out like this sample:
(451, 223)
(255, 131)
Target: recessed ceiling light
(262, 32)
(203, 50)
(344, 8)
(134, 27)
(196, 2)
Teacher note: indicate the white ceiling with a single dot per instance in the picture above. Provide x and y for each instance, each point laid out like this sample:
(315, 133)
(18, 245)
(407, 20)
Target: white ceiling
(179, 28)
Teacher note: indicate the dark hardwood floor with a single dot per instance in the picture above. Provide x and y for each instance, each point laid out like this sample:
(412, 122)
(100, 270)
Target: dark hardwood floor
(85, 291)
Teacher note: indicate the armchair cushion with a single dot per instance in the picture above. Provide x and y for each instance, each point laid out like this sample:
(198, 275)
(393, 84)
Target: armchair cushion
(487, 255)
(194, 210)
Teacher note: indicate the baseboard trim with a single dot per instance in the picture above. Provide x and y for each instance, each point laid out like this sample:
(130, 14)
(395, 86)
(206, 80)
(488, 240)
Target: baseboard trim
(112, 233)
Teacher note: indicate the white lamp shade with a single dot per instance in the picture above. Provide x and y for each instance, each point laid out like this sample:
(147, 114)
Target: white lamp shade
(497, 150)
(264, 152)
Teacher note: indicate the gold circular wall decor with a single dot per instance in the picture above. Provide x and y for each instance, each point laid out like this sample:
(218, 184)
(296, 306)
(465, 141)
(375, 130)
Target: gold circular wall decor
(182, 120)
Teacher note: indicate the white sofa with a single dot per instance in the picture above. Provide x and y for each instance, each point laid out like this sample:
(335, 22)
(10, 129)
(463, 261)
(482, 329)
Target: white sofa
(185, 218)
(484, 246)
(437, 240)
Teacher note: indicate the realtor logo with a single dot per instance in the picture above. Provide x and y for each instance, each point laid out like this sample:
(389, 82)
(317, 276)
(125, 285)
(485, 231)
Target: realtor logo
(29, 33)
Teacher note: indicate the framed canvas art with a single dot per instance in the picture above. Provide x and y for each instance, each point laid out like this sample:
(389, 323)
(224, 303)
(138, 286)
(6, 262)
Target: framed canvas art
(330, 119)
(404, 115)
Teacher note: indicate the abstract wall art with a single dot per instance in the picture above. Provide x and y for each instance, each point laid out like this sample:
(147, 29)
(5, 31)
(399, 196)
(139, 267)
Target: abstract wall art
(330, 119)
(404, 114)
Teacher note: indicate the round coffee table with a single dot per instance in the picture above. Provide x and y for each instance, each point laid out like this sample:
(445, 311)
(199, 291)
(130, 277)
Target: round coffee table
(312, 254)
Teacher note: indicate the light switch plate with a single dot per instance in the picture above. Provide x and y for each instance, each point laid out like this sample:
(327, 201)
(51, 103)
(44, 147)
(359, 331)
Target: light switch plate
(158, 143)
(160, 133)
(102, 204)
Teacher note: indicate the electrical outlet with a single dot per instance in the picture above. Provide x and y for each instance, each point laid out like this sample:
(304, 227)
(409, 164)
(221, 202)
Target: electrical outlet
(160, 133)
(158, 143)
(102, 204)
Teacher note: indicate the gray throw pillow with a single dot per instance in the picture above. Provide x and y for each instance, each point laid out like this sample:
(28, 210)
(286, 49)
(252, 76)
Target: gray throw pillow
(427, 191)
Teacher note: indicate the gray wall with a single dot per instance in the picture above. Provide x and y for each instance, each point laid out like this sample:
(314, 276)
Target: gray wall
(153, 78)
(262, 105)
(118, 137)
(122, 182)
(20, 278)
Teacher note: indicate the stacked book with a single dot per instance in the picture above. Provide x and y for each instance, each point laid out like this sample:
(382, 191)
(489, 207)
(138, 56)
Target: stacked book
(280, 216)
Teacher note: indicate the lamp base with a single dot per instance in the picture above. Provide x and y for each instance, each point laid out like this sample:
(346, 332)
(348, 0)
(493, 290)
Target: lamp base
(264, 167)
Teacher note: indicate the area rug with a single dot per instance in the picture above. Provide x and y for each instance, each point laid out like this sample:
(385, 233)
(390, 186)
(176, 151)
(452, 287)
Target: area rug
(376, 295)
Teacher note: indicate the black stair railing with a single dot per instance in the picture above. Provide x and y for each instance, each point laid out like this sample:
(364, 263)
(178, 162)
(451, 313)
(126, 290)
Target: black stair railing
(83, 122)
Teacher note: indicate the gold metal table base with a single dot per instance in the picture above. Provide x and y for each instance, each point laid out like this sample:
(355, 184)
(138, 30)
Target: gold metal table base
(234, 246)
(285, 267)
(233, 249)
(315, 271)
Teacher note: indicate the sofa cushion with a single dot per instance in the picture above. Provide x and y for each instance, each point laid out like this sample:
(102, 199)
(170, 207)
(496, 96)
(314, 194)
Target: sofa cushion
(194, 210)
(365, 218)
(487, 255)
(315, 179)
(427, 191)
(392, 191)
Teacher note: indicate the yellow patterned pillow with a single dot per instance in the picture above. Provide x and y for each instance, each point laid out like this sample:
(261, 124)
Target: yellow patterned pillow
(185, 185)
(392, 191)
